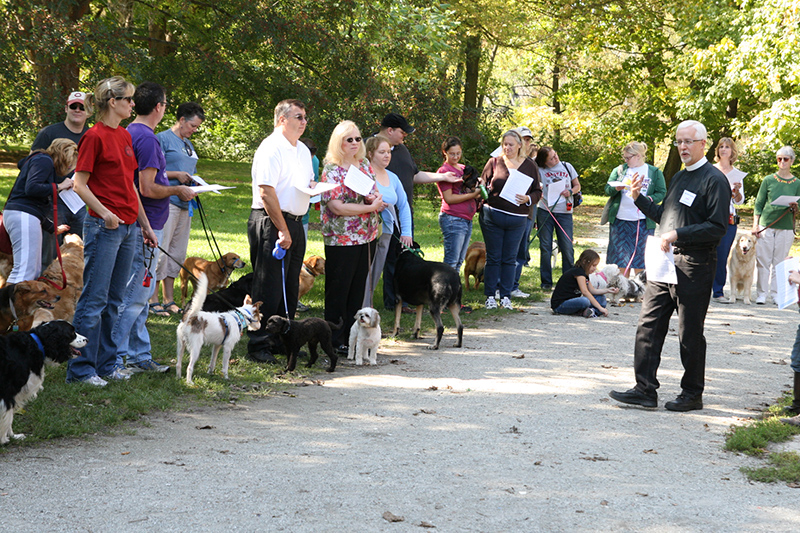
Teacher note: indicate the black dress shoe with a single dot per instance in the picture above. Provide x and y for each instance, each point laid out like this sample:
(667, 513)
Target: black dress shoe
(635, 397)
(685, 403)
(342, 350)
(262, 356)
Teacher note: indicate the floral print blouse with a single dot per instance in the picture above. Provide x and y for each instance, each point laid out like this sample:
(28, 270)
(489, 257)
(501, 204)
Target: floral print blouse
(347, 230)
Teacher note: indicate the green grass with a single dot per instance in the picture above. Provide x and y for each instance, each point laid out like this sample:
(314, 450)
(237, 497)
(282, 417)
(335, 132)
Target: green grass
(73, 410)
(785, 466)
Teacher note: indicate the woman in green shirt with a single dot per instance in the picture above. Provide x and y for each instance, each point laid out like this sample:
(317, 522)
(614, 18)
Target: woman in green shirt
(774, 225)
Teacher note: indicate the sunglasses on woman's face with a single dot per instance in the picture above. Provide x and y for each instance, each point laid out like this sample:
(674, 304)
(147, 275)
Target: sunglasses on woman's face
(76, 105)
(128, 99)
(351, 139)
(782, 159)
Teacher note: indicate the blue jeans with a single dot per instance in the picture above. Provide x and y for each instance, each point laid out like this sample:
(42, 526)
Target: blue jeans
(546, 227)
(130, 332)
(579, 305)
(456, 232)
(723, 250)
(502, 233)
(524, 254)
(108, 255)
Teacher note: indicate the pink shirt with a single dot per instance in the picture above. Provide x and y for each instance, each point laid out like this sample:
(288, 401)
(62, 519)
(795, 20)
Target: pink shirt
(465, 210)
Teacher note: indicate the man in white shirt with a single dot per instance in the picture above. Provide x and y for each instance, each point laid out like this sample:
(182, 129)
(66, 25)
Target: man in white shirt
(280, 165)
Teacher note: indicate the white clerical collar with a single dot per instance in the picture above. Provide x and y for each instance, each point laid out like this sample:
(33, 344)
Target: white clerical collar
(698, 164)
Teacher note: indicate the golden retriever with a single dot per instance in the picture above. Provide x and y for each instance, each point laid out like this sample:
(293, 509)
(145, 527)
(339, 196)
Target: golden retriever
(25, 297)
(217, 272)
(741, 266)
(312, 267)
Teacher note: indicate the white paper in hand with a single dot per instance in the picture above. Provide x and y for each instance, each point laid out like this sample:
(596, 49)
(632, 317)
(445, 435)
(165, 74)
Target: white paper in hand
(554, 191)
(517, 183)
(357, 181)
(660, 265)
(71, 200)
(787, 293)
(785, 200)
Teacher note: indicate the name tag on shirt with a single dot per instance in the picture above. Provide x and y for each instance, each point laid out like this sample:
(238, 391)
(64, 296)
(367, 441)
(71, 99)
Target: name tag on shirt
(687, 198)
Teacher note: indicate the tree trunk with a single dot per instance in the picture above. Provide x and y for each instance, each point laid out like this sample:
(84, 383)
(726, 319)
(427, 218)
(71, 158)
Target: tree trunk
(472, 71)
(556, 103)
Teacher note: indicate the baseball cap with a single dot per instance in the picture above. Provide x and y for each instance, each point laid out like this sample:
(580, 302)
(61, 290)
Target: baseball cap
(524, 131)
(395, 120)
(76, 96)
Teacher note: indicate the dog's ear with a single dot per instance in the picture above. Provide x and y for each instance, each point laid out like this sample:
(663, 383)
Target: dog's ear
(247, 300)
(257, 305)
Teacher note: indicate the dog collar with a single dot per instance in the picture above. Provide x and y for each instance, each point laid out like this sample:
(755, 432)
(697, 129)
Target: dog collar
(38, 343)
(241, 319)
(309, 270)
(602, 275)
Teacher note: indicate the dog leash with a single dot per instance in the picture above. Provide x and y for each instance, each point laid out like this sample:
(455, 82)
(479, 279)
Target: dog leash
(279, 254)
(207, 229)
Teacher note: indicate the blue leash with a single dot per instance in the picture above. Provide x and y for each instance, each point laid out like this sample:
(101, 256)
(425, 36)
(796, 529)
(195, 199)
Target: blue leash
(279, 254)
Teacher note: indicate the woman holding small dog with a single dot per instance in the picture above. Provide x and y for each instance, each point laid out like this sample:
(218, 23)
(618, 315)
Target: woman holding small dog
(350, 225)
(726, 155)
(502, 221)
(459, 205)
(773, 225)
(574, 293)
(379, 153)
(30, 205)
(104, 180)
(628, 226)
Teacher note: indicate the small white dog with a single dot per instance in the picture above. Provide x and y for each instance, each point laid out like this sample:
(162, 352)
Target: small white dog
(220, 329)
(365, 336)
(605, 277)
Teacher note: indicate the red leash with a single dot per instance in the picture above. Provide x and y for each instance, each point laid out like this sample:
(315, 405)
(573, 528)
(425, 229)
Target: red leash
(58, 248)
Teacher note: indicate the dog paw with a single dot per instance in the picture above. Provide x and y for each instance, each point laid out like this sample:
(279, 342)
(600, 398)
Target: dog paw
(433, 347)
(18, 436)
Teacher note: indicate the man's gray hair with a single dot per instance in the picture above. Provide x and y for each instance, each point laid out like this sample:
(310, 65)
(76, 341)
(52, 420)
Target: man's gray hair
(284, 106)
(699, 129)
(786, 151)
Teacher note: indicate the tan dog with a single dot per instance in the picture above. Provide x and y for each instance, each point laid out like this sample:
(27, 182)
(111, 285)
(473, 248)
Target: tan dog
(474, 263)
(217, 272)
(741, 266)
(6, 264)
(18, 301)
(312, 267)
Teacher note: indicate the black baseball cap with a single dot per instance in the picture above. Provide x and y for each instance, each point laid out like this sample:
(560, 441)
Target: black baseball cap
(394, 120)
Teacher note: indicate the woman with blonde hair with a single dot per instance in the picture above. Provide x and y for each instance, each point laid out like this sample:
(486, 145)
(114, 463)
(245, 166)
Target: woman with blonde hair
(628, 226)
(104, 180)
(350, 225)
(726, 155)
(30, 205)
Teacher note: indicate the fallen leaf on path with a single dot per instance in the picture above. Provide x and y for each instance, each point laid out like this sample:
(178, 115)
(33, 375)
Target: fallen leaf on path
(389, 517)
(781, 362)
(427, 524)
(736, 353)
(642, 494)
(607, 366)
(650, 451)
(125, 453)
(433, 387)
(204, 427)
(537, 463)
(520, 356)
(594, 458)
(425, 412)
(604, 502)
(174, 463)
(793, 485)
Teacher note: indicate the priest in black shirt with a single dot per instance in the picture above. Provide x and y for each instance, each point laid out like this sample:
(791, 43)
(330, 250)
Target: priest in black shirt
(692, 220)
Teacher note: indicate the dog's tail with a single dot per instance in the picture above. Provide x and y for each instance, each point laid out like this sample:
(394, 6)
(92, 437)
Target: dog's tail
(336, 326)
(198, 298)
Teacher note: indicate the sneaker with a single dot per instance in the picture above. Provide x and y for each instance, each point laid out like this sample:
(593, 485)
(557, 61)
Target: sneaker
(505, 303)
(120, 373)
(720, 300)
(496, 295)
(148, 365)
(762, 299)
(95, 380)
(547, 287)
(516, 293)
(302, 308)
(590, 312)
(491, 303)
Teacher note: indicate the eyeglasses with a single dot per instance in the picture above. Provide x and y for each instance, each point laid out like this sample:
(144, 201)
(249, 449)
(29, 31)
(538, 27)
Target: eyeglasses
(76, 105)
(629, 157)
(164, 103)
(782, 159)
(187, 148)
(301, 118)
(351, 139)
(128, 99)
(687, 142)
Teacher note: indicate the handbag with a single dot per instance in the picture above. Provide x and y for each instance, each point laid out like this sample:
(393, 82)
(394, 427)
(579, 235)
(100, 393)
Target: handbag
(5, 240)
(606, 210)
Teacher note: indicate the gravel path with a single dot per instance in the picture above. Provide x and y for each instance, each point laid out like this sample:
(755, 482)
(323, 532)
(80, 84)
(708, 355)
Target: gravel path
(478, 438)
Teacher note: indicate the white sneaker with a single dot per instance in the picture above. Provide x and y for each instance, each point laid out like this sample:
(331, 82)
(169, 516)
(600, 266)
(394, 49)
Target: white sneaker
(762, 299)
(505, 303)
(96, 380)
(516, 293)
(720, 300)
(491, 303)
(496, 295)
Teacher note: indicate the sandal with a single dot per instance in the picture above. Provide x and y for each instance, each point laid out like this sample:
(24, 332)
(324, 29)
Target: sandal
(170, 311)
(158, 310)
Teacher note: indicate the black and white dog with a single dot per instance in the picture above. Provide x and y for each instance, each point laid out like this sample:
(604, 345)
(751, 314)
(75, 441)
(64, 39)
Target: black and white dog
(22, 359)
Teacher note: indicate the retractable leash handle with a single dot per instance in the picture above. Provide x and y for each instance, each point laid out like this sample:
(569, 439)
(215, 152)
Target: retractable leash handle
(279, 253)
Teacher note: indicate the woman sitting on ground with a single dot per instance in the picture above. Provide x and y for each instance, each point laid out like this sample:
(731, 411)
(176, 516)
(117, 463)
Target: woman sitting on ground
(575, 294)
(30, 205)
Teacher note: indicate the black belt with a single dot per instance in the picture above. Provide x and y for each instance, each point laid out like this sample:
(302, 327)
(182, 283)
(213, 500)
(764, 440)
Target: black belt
(286, 216)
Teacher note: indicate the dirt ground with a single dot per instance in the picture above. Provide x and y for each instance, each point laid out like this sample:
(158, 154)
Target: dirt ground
(512, 432)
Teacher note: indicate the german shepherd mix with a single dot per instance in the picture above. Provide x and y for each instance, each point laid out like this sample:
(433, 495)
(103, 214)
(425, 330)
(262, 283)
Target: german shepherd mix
(419, 282)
